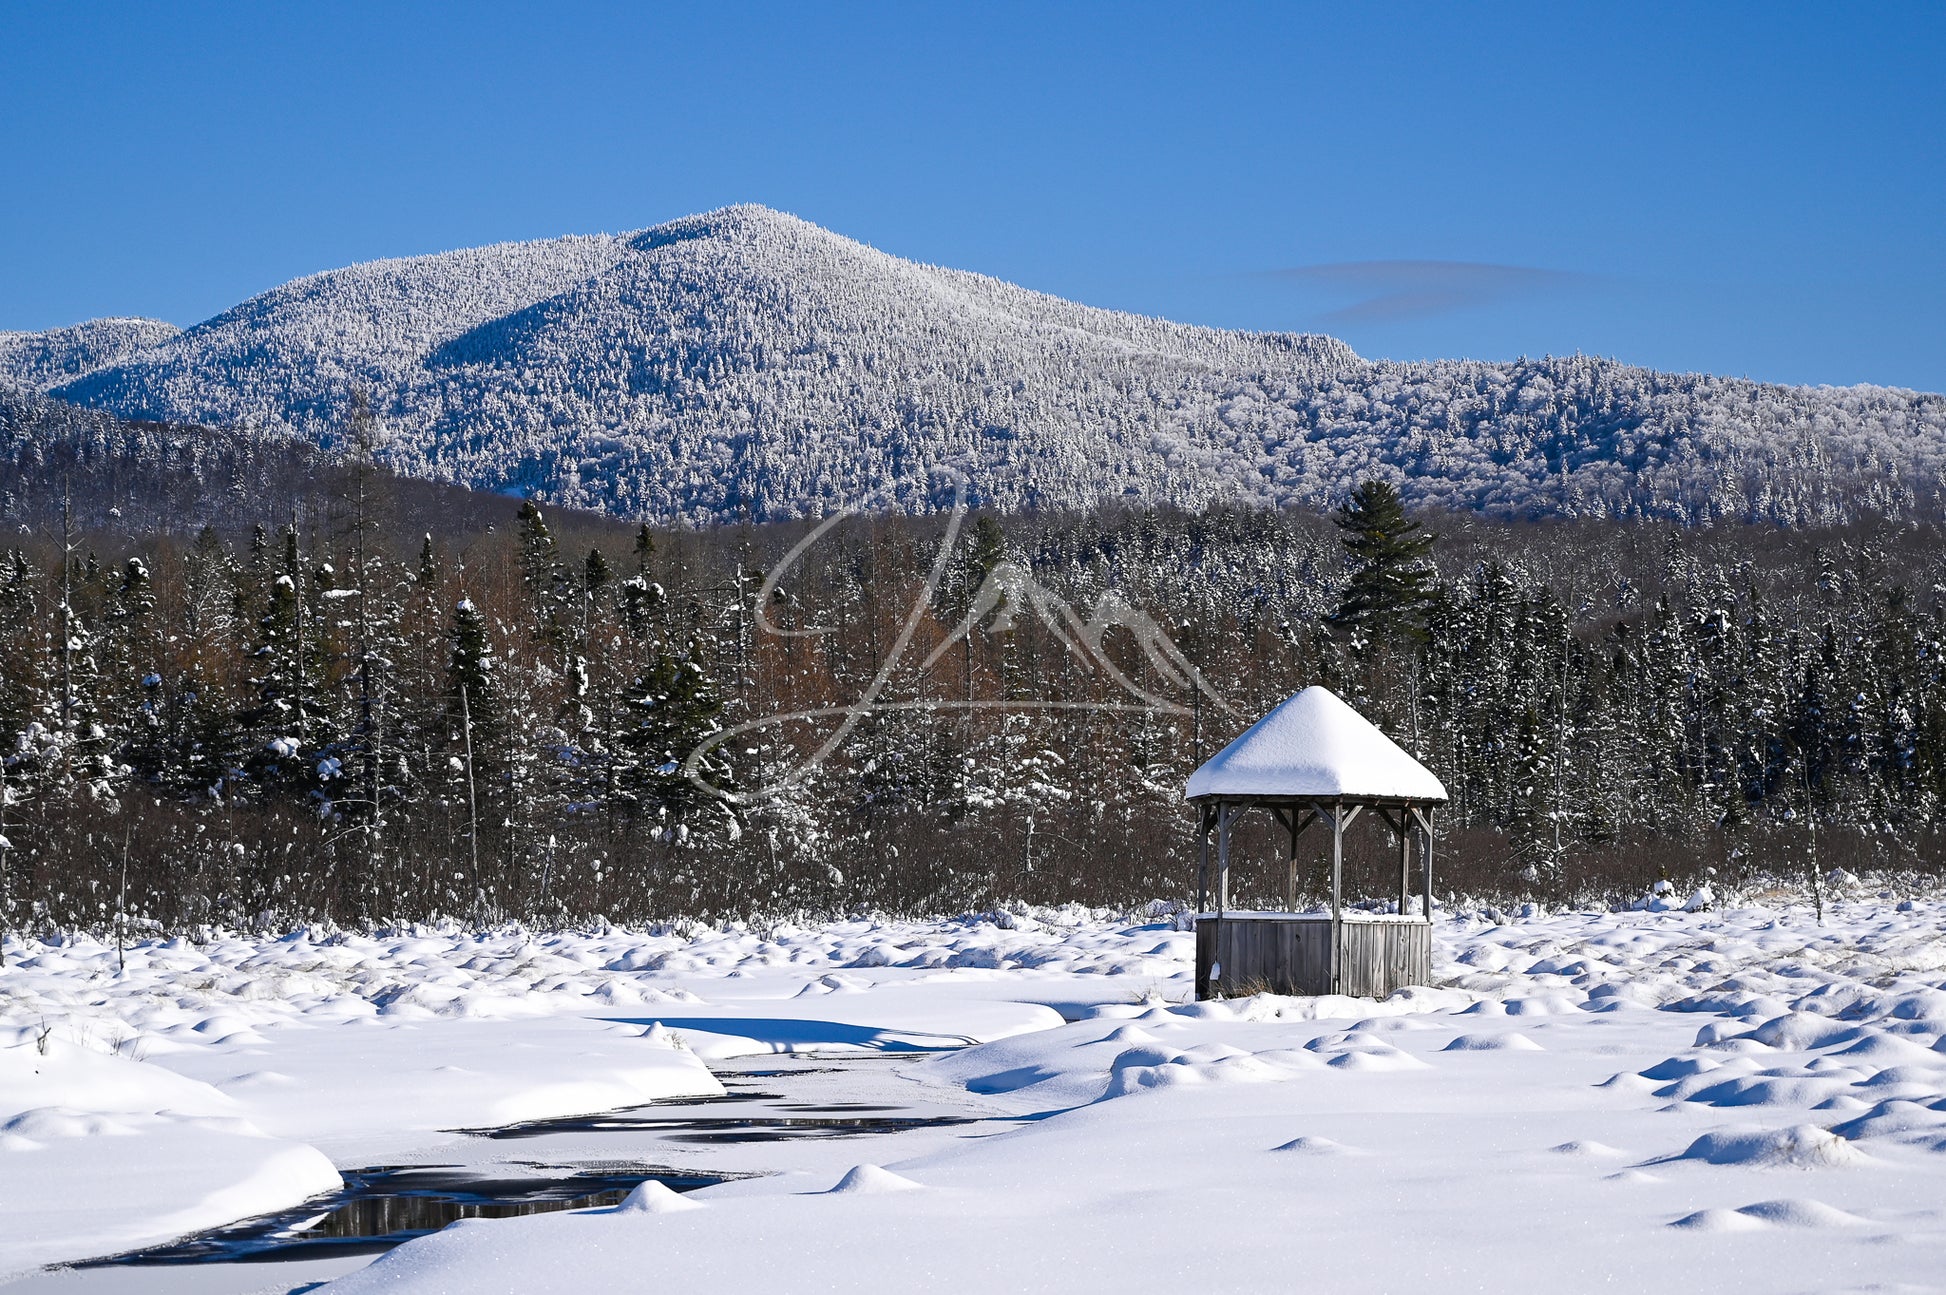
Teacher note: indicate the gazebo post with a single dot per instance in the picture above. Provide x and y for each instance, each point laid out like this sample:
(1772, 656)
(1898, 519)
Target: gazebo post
(1428, 870)
(1405, 859)
(1290, 874)
(1202, 858)
(1337, 893)
(1425, 872)
(1223, 814)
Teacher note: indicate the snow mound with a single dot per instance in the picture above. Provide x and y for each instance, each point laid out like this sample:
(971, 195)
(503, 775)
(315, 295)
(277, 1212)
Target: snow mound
(1765, 1090)
(1155, 1065)
(1801, 1214)
(871, 1180)
(1804, 1146)
(1802, 1031)
(1627, 1082)
(1889, 1049)
(257, 1079)
(1592, 1150)
(1680, 1068)
(1492, 1043)
(1897, 1118)
(661, 1036)
(653, 1197)
(1312, 1145)
(1720, 1221)
(1375, 1060)
(48, 1123)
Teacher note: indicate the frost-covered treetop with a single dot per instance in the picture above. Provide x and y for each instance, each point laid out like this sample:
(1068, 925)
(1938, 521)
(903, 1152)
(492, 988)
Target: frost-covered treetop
(42, 360)
(1313, 744)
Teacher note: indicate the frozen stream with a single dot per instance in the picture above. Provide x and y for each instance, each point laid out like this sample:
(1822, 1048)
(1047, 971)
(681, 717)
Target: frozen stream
(778, 1115)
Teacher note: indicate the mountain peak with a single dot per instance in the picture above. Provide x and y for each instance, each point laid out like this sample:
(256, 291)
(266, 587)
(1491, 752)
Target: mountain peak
(747, 224)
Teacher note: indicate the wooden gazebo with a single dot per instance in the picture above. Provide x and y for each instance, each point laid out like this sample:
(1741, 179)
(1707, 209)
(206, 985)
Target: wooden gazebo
(1314, 760)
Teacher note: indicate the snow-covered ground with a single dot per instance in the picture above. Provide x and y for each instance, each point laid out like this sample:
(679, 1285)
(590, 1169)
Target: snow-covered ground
(1737, 1100)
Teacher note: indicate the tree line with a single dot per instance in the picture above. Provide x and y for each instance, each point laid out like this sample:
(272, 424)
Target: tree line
(342, 713)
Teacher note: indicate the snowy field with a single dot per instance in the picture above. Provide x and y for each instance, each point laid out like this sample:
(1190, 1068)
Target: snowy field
(1729, 1100)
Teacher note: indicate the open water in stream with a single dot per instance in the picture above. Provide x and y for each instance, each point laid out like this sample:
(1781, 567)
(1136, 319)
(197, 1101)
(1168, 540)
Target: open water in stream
(579, 1162)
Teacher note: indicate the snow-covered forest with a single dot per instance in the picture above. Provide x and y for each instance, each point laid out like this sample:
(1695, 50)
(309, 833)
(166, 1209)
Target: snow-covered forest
(367, 699)
(746, 364)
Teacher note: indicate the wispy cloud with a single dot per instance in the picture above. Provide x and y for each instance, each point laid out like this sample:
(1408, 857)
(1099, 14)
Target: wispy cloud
(1396, 291)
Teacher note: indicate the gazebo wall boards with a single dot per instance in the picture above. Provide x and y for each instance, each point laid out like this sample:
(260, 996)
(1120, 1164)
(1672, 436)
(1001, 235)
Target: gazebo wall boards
(1313, 760)
(1295, 953)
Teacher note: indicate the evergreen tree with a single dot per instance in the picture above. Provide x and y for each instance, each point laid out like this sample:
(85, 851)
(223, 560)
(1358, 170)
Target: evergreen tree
(546, 578)
(137, 725)
(470, 672)
(670, 709)
(428, 572)
(1390, 584)
(475, 711)
(284, 729)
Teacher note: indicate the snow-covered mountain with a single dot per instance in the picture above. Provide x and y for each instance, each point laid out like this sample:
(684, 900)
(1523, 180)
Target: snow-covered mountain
(42, 360)
(745, 359)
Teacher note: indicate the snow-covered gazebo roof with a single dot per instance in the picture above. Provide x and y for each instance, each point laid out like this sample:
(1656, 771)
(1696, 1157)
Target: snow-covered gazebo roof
(1315, 746)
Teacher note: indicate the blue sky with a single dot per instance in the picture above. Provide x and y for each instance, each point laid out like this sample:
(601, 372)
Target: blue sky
(1745, 189)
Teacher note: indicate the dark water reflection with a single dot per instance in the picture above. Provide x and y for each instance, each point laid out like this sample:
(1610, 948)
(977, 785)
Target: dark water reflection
(380, 1208)
(767, 1127)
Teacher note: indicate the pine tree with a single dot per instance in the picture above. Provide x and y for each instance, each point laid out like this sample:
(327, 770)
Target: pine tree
(137, 725)
(988, 550)
(428, 572)
(470, 669)
(1389, 589)
(546, 579)
(22, 683)
(288, 654)
(670, 709)
(474, 707)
